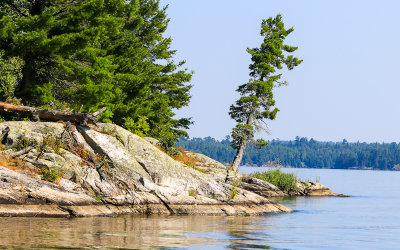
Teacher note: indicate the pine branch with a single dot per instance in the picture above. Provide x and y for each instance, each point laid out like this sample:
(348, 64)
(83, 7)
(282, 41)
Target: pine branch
(12, 5)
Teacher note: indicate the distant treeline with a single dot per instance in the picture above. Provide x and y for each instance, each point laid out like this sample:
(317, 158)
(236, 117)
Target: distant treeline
(304, 153)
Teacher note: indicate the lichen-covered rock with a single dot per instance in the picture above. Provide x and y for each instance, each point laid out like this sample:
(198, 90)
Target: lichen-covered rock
(20, 188)
(116, 172)
(152, 140)
(51, 161)
(205, 161)
(14, 131)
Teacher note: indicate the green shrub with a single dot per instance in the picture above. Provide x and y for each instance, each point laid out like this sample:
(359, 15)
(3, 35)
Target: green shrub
(284, 181)
(192, 192)
(50, 175)
(24, 142)
(54, 143)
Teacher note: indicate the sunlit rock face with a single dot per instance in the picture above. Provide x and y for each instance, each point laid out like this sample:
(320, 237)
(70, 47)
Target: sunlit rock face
(109, 171)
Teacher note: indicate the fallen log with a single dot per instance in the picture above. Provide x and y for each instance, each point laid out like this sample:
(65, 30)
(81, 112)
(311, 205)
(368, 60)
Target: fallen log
(35, 114)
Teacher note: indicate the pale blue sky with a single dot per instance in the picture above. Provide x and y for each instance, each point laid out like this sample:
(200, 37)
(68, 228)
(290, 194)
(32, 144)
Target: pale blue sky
(347, 86)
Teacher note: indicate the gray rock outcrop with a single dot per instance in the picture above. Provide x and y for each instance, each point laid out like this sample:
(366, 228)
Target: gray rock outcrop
(128, 175)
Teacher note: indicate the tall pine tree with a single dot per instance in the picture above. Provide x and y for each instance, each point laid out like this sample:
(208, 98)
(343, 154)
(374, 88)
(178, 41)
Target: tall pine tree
(257, 103)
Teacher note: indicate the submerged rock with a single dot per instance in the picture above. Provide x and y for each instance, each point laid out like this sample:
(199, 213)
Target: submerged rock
(115, 172)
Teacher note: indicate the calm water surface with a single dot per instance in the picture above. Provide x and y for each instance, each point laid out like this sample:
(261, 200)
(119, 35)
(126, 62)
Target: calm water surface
(369, 219)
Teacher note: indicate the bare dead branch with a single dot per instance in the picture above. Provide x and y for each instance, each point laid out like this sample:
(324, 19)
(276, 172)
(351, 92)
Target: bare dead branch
(98, 112)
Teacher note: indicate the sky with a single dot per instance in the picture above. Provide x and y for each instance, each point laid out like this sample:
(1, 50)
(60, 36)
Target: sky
(346, 88)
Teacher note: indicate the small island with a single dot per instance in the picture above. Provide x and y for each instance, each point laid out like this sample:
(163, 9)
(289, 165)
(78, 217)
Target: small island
(60, 170)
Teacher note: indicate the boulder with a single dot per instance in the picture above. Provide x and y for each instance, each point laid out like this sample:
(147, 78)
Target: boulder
(310, 188)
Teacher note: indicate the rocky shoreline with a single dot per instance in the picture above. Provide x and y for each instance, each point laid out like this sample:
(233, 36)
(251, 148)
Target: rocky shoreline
(110, 171)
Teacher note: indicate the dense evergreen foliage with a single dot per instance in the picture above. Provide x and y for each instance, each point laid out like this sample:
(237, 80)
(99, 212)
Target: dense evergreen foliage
(303, 152)
(91, 54)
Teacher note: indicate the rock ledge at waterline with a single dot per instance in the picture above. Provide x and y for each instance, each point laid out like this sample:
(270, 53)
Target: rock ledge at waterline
(131, 176)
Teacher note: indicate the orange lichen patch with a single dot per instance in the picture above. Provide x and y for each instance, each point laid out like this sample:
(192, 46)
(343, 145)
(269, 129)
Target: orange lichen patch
(5, 163)
(185, 158)
(160, 148)
(101, 159)
(80, 151)
(12, 164)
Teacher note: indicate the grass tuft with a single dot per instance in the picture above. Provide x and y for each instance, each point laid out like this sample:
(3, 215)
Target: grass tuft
(98, 198)
(233, 192)
(284, 181)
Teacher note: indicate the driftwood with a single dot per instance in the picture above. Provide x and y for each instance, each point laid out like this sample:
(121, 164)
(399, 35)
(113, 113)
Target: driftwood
(35, 114)
(21, 152)
(74, 134)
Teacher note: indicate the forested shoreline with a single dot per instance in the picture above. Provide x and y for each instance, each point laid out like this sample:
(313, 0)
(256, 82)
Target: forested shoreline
(304, 153)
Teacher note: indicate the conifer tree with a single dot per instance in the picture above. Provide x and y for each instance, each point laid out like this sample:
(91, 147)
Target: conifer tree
(257, 103)
(10, 75)
(98, 53)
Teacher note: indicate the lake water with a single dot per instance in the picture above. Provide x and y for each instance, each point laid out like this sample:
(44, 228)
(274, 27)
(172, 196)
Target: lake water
(369, 219)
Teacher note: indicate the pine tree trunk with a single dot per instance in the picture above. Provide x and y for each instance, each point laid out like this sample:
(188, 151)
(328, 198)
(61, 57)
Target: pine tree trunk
(28, 73)
(38, 7)
(239, 156)
(242, 147)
